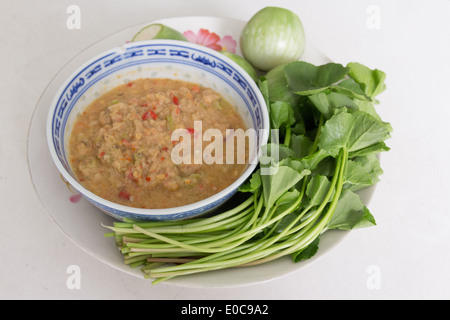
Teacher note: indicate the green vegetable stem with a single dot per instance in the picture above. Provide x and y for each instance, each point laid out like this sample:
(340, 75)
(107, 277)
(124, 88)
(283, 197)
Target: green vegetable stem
(331, 135)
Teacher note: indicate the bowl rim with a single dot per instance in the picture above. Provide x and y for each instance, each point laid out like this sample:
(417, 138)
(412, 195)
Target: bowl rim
(164, 212)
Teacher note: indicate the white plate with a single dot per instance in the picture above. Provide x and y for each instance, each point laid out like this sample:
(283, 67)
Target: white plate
(82, 222)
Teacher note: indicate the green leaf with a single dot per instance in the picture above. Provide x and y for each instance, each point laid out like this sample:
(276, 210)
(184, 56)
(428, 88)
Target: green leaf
(311, 162)
(308, 252)
(253, 184)
(350, 213)
(373, 149)
(317, 189)
(295, 164)
(367, 131)
(367, 107)
(327, 103)
(278, 88)
(305, 78)
(299, 127)
(366, 221)
(371, 165)
(357, 131)
(281, 115)
(326, 167)
(351, 89)
(336, 133)
(301, 145)
(356, 176)
(273, 153)
(288, 197)
(277, 181)
(371, 81)
(285, 202)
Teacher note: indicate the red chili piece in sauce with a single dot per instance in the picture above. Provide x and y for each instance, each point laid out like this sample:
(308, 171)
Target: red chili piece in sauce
(148, 114)
(124, 195)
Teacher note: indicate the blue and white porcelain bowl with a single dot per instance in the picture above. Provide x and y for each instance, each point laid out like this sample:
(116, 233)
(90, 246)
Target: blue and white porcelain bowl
(154, 59)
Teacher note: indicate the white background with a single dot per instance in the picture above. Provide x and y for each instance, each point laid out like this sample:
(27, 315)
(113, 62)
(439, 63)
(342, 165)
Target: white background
(410, 246)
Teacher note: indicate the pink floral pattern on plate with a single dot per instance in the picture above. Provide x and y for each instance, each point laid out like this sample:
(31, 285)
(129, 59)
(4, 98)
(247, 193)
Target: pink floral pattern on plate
(76, 197)
(211, 40)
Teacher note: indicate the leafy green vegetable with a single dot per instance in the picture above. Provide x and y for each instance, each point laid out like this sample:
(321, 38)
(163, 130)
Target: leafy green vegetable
(307, 253)
(253, 185)
(350, 213)
(352, 89)
(327, 103)
(305, 78)
(279, 181)
(301, 145)
(370, 81)
(278, 88)
(317, 189)
(336, 133)
(371, 165)
(306, 183)
(281, 115)
(356, 177)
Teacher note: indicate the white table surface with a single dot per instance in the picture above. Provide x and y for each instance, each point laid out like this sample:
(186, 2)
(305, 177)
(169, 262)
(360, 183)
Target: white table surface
(410, 247)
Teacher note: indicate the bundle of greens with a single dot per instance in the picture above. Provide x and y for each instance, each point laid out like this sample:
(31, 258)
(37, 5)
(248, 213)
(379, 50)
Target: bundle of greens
(306, 182)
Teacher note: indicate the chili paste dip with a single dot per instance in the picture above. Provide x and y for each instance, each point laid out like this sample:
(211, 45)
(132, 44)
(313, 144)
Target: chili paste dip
(120, 146)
